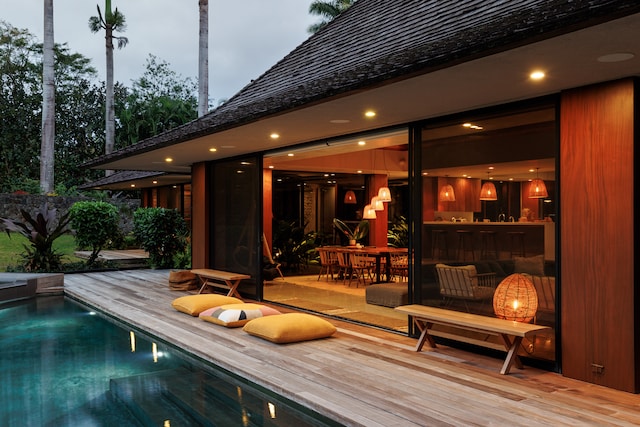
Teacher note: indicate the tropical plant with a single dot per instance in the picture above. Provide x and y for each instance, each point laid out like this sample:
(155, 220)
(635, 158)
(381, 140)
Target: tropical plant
(359, 233)
(292, 246)
(95, 225)
(327, 10)
(112, 21)
(162, 232)
(398, 234)
(41, 232)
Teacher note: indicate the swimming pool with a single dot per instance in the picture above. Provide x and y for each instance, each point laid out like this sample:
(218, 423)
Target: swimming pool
(62, 364)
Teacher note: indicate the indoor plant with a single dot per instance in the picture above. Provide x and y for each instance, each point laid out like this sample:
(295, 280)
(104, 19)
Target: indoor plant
(360, 231)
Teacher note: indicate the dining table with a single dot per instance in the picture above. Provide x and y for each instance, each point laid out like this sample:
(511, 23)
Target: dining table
(378, 252)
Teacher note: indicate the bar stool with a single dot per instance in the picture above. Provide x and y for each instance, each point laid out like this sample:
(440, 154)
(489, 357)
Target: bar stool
(439, 244)
(465, 244)
(516, 243)
(488, 244)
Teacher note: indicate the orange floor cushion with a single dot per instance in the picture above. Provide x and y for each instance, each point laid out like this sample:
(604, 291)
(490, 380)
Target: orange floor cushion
(195, 304)
(290, 327)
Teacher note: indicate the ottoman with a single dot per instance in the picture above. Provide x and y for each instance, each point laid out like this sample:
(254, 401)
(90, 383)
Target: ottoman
(387, 294)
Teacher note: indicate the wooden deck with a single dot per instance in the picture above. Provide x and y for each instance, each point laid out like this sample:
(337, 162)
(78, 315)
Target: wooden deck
(362, 376)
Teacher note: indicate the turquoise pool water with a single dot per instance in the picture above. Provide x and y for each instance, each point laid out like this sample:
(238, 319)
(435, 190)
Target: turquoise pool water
(64, 365)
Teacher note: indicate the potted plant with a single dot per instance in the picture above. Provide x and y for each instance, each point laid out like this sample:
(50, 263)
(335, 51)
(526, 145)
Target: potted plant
(360, 232)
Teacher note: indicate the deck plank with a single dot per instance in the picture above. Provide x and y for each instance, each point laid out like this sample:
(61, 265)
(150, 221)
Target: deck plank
(361, 376)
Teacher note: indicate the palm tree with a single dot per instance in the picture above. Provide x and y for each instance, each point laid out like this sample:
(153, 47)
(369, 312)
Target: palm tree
(203, 59)
(48, 103)
(112, 21)
(327, 10)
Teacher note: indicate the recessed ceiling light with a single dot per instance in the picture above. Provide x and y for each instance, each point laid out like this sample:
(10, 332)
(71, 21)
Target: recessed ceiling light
(155, 182)
(213, 149)
(359, 171)
(228, 146)
(274, 136)
(271, 166)
(361, 143)
(370, 113)
(339, 121)
(168, 160)
(133, 185)
(537, 75)
(616, 57)
(290, 154)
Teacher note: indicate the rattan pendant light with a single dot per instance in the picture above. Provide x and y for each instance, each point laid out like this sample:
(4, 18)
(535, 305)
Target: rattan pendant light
(488, 191)
(537, 189)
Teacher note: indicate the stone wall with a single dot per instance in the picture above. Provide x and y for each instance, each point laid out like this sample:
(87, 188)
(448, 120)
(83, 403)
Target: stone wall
(11, 204)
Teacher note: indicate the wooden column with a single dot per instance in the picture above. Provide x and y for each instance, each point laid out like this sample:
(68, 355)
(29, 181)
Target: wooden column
(599, 297)
(199, 217)
(267, 205)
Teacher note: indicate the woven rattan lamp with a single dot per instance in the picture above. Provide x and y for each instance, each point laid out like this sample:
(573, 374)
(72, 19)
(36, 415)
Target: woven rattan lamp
(350, 197)
(516, 299)
(447, 194)
(537, 189)
(488, 191)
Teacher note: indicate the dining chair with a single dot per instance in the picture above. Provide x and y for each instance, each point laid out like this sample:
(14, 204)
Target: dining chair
(362, 266)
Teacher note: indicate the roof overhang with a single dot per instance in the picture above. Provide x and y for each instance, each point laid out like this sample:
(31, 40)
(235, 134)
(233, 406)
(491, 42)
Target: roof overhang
(569, 61)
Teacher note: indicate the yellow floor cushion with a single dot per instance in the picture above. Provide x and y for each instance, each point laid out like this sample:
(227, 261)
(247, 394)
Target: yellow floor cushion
(195, 304)
(290, 327)
(235, 315)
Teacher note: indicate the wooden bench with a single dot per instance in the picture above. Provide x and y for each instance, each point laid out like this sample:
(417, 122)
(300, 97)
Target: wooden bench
(511, 332)
(219, 278)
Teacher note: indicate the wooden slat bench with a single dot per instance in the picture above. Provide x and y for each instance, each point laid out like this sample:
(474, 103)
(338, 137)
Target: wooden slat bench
(219, 278)
(511, 332)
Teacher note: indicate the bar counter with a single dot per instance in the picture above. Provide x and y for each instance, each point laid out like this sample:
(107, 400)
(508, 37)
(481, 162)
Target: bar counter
(538, 237)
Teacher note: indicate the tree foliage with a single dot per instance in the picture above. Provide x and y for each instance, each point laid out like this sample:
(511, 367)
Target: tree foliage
(95, 225)
(156, 102)
(327, 10)
(162, 232)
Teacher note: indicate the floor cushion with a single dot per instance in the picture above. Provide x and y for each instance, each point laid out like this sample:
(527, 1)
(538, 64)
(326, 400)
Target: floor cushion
(387, 294)
(290, 327)
(195, 304)
(235, 315)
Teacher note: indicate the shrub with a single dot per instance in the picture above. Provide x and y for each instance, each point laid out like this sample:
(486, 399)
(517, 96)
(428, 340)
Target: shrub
(162, 232)
(41, 232)
(95, 225)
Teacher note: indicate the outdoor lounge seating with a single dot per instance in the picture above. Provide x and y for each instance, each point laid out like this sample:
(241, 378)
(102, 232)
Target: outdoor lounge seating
(465, 284)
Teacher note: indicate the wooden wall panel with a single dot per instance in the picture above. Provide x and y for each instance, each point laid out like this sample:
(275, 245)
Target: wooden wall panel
(267, 205)
(596, 239)
(200, 217)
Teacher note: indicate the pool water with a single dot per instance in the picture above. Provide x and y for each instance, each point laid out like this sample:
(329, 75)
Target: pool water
(63, 365)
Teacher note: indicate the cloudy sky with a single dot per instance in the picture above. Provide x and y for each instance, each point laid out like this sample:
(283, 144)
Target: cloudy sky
(246, 37)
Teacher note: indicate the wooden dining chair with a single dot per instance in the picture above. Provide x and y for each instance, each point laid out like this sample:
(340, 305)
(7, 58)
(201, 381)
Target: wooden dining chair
(362, 267)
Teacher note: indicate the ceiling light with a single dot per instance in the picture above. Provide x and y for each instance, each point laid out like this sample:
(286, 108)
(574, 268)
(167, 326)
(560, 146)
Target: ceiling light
(616, 57)
(339, 121)
(488, 191)
(377, 204)
(384, 194)
(537, 189)
(537, 75)
(290, 155)
(154, 181)
(274, 136)
(369, 212)
(447, 194)
(361, 143)
(133, 185)
(350, 197)
(213, 149)
(168, 160)
(370, 113)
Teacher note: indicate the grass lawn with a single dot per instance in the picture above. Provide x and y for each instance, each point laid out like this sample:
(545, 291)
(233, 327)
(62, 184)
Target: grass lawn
(11, 248)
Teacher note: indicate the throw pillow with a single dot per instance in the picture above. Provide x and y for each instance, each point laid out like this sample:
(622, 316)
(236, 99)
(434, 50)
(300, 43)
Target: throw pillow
(235, 315)
(195, 304)
(530, 265)
(289, 327)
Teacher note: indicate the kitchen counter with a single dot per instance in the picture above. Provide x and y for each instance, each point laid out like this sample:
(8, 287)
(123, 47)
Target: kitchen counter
(539, 237)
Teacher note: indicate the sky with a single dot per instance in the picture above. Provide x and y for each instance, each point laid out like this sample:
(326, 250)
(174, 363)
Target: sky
(246, 37)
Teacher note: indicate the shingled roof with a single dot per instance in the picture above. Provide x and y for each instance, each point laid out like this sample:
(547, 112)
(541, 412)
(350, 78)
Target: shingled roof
(380, 41)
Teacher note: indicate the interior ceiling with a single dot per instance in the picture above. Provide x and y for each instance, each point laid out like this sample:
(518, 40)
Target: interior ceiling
(568, 61)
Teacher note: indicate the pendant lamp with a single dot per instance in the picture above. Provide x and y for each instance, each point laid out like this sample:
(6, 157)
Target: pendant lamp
(377, 204)
(488, 191)
(350, 198)
(537, 189)
(446, 194)
(384, 194)
(369, 212)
